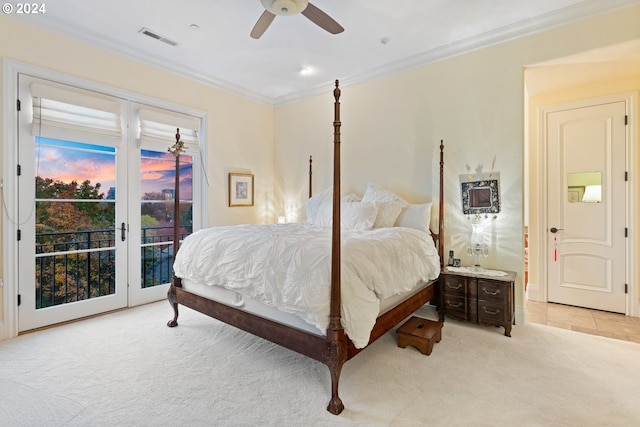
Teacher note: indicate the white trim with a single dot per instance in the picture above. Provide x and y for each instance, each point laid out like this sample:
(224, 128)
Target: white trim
(9, 321)
(632, 193)
(633, 185)
(11, 69)
(533, 292)
(520, 315)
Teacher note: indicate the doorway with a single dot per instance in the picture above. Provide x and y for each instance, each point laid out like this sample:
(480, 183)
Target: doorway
(586, 145)
(580, 250)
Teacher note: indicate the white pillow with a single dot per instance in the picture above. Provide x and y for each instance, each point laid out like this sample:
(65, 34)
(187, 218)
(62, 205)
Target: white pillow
(415, 216)
(313, 205)
(351, 197)
(353, 215)
(388, 213)
(389, 204)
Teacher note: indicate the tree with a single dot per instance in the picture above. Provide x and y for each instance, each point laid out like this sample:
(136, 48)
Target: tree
(64, 222)
(58, 216)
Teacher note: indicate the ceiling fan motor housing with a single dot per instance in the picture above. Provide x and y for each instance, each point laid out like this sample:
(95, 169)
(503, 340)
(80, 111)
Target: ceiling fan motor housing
(285, 7)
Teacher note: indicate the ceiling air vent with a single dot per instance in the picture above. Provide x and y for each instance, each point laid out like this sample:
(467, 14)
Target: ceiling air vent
(148, 32)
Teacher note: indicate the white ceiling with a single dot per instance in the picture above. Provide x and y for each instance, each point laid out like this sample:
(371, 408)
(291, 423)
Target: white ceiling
(221, 52)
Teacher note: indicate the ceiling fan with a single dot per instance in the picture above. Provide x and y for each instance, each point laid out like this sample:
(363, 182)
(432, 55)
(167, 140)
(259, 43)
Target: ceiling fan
(293, 7)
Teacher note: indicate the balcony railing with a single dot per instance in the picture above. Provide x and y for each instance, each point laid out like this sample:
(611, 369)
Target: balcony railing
(79, 265)
(157, 254)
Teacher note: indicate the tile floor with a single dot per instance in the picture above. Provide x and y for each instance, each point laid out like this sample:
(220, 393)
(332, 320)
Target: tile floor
(585, 320)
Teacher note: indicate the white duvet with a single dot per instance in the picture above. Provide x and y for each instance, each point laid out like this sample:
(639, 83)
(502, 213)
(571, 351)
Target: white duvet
(288, 266)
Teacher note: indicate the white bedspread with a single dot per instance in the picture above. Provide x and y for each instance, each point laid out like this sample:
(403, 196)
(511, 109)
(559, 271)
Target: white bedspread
(289, 266)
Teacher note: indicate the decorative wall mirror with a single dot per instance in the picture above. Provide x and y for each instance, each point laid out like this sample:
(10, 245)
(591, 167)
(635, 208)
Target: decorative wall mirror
(480, 197)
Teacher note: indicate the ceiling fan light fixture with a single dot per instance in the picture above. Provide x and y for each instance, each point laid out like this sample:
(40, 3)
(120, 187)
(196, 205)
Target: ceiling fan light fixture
(285, 7)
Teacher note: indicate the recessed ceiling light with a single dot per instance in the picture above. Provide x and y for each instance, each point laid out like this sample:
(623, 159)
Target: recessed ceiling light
(384, 40)
(305, 71)
(194, 27)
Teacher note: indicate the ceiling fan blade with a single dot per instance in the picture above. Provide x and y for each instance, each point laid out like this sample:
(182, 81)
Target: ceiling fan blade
(263, 23)
(321, 19)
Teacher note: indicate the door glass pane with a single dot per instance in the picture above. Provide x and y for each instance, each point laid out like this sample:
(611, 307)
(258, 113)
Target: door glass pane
(75, 221)
(584, 187)
(157, 211)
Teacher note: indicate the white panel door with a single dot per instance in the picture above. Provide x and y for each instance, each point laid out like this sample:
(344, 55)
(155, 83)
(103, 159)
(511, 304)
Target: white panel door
(587, 206)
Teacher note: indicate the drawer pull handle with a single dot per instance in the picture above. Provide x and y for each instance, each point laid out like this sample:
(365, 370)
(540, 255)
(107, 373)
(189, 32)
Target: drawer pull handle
(454, 287)
(490, 312)
(458, 305)
(490, 293)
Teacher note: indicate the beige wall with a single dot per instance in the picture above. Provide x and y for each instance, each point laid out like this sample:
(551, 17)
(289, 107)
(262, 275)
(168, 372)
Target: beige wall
(391, 128)
(240, 131)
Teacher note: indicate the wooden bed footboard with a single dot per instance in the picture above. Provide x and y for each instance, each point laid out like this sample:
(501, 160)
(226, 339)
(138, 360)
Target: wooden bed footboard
(335, 348)
(294, 339)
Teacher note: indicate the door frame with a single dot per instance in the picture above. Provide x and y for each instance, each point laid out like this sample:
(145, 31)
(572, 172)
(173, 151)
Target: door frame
(10, 69)
(631, 274)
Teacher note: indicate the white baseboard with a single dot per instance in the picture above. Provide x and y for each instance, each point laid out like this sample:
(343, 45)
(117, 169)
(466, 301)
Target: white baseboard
(521, 315)
(533, 292)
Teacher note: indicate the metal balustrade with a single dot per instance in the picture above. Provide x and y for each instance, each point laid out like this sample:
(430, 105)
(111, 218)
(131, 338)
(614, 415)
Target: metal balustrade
(157, 254)
(79, 265)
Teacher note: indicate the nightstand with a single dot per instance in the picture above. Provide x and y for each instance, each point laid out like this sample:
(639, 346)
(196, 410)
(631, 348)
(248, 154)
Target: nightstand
(478, 298)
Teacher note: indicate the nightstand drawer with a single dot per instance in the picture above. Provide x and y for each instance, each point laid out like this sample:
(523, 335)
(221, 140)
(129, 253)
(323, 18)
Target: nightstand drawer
(491, 290)
(455, 305)
(454, 285)
(491, 312)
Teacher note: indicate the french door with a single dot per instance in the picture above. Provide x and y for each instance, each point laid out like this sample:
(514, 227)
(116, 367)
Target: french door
(151, 264)
(96, 202)
(71, 204)
(152, 173)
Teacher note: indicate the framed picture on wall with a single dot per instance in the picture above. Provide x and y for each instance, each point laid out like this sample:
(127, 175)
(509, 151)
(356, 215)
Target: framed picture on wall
(240, 189)
(575, 194)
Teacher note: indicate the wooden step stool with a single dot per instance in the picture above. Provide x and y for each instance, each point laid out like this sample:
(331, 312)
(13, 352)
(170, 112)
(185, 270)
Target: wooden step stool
(420, 333)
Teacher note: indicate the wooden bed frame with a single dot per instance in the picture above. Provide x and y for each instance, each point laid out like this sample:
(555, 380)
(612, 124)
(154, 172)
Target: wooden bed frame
(334, 349)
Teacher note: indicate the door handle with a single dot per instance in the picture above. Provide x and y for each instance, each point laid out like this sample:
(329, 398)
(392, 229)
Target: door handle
(554, 230)
(123, 232)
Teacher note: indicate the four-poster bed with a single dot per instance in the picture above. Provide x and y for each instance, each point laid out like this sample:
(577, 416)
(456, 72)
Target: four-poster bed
(335, 346)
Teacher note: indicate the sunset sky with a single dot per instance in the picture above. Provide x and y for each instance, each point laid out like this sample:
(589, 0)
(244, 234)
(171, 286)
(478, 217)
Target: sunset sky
(68, 161)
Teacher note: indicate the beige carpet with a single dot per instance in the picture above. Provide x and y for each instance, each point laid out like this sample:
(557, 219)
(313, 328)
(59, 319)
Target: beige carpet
(129, 369)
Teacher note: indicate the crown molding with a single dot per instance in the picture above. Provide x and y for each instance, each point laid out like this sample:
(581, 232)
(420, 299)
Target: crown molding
(490, 38)
(87, 35)
(510, 32)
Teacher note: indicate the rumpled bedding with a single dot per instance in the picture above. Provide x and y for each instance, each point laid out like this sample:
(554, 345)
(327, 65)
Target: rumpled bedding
(288, 266)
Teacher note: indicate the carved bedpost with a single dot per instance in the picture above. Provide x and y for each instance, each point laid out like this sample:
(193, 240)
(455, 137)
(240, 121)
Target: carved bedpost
(441, 207)
(176, 149)
(336, 349)
(171, 296)
(334, 319)
(441, 231)
(310, 176)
